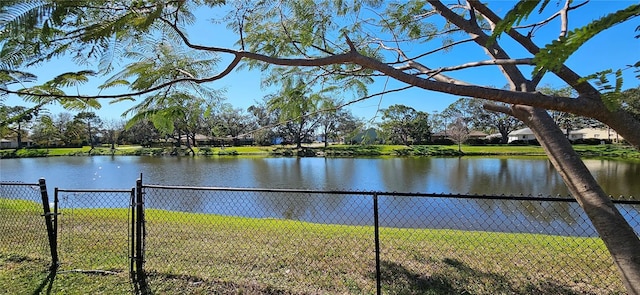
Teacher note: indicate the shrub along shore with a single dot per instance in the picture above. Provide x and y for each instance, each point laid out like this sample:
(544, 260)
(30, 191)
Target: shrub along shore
(608, 151)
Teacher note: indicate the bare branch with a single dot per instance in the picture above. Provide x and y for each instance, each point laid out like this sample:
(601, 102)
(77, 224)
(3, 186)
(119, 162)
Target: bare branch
(491, 62)
(564, 17)
(439, 49)
(569, 76)
(513, 75)
(498, 108)
(549, 19)
(424, 69)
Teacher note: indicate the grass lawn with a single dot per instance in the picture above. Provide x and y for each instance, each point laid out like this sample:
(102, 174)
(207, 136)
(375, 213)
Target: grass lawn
(503, 150)
(189, 253)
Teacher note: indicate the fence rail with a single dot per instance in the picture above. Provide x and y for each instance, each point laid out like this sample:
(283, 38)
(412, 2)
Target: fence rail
(314, 242)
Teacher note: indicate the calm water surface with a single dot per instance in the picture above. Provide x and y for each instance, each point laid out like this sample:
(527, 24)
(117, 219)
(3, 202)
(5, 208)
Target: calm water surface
(427, 175)
(430, 175)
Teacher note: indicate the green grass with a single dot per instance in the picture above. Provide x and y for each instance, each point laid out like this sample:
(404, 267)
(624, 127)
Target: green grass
(586, 151)
(189, 253)
(608, 152)
(503, 150)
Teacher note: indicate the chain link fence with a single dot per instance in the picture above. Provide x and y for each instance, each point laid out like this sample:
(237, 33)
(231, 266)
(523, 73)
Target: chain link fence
(312, 242)
(23, 234)
(94, 230)
(262, 241)
(239, 240)
(461, 244)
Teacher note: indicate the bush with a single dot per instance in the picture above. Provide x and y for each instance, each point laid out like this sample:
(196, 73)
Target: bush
(442, 141)
(227, 153)
(422, 150)
(591, 141)
(6, 154)
(23, 153)
(476, 141)
(494, 140)
(306, 152)
(206, 151)
(525, 142)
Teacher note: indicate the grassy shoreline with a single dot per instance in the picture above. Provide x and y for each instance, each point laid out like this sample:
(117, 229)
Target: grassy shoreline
(617, 152)
(191, 253)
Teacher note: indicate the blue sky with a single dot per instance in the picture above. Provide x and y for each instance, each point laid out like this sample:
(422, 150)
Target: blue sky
(615, 48)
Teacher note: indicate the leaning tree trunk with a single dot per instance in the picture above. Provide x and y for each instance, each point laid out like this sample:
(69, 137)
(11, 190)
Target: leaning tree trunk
(618, 236)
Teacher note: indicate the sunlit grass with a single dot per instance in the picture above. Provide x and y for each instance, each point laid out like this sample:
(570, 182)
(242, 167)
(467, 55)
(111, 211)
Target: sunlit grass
(204, 253)
(503, 150)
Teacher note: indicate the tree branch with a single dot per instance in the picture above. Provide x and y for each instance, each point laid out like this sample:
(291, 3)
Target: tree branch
(498, 108)
(435, 74)
(439, 49)
(491, 62)
(511, 72)
(564, 17)
(570, 77)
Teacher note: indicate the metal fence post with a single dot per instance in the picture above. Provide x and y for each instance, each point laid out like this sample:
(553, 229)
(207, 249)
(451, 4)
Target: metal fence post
(377, 243)
(132, 249)
(49, 224)
(139, 232)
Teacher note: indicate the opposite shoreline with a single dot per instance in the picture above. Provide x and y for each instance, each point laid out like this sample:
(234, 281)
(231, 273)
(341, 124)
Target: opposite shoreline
(613, 152)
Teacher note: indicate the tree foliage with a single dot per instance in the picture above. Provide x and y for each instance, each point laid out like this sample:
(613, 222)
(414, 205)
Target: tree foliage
(349, 44)
(298, 108)
(405, 125)
(472, 111)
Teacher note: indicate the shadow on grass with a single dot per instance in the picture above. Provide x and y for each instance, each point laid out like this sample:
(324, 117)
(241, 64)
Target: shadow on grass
(455, 277)
(47, 282)
(163, 283)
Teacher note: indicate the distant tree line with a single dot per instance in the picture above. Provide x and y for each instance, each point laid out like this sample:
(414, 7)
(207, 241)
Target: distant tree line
(292, 116)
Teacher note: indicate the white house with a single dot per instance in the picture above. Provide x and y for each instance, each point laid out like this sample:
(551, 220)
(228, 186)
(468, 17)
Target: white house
(585, 133)
(595, 133)
(521, 134)
(12, 143)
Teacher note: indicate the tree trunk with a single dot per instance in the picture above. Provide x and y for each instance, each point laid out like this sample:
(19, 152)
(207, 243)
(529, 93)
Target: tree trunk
(188, 141)
(619, 237)
(19, 136)
(299, 137)
(90, 137)
(504, 136)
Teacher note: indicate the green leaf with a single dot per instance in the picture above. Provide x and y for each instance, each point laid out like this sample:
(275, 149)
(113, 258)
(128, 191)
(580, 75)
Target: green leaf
(519, 12)
(114, 83)
(554, 55)
(71, 79)
(117, 100)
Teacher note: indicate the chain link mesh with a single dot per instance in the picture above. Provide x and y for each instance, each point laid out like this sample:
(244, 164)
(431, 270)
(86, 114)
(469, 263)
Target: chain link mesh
(22, 228)
(261, 238)
(94, 230)
(315, 242)
(323, 242)
(466, 245)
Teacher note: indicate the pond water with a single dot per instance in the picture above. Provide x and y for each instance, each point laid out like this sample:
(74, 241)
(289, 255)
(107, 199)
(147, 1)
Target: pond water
(430, 175)
(491, 176)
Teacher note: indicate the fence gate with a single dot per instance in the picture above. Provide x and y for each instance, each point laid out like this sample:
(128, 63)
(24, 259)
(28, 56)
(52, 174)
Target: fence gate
(94, 230)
